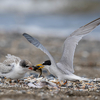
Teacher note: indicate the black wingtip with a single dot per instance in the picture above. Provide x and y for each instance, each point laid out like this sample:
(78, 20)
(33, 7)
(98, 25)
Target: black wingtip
(24, 34)
(31, 39)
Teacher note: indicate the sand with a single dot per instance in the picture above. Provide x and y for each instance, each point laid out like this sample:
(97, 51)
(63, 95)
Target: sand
(86, 63)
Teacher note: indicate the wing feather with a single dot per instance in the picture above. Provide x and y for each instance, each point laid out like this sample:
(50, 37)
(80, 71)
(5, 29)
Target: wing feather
(37, 44)
(66, 62)
(5, 68)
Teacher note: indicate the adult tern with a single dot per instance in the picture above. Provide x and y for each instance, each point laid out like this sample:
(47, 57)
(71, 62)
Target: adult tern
(64, 68)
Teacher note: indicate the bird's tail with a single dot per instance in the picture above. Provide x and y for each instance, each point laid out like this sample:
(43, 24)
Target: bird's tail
(74, 77)
(81, 78)
(84, 79)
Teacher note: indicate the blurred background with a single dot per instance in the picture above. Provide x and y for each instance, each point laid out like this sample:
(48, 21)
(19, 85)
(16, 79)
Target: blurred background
(50, 21)
(47, 17)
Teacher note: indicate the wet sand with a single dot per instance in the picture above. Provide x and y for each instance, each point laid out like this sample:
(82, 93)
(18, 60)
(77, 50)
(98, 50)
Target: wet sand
(86, 63)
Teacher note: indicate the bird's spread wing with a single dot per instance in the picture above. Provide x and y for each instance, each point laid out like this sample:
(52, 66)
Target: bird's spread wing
(66, 62)
(37, 44)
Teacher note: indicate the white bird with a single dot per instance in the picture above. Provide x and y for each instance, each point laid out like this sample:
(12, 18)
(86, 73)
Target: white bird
(14, 68)
(64, 68)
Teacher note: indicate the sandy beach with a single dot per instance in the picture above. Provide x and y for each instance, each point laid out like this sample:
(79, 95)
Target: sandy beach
(86, 64)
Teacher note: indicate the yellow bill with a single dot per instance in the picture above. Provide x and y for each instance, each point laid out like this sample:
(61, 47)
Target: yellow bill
(41, 66)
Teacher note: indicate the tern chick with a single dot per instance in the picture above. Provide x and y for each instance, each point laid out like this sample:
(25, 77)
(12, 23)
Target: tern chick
(14, 68)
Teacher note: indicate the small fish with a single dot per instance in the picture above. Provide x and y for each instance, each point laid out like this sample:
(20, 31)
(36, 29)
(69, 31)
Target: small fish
(36, 69)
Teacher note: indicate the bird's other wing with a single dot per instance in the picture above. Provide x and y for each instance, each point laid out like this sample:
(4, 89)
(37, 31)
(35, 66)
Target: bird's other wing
(37, 44)
(66, 62)
(5, 68)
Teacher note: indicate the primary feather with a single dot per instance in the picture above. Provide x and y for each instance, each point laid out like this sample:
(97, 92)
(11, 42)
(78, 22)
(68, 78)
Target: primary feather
(37, 44)
(66, 62)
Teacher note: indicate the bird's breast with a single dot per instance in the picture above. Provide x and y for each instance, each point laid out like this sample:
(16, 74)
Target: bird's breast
(55, 71)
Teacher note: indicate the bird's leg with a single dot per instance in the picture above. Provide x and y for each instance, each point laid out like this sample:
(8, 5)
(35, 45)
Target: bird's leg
(59, 83)
(65, 82)
(18, 80)
(40, 70)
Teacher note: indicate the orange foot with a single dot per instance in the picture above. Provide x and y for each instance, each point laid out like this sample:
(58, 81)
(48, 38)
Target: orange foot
(65, 82)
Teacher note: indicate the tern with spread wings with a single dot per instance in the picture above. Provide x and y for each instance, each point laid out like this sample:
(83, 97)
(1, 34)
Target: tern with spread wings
(64, 68)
